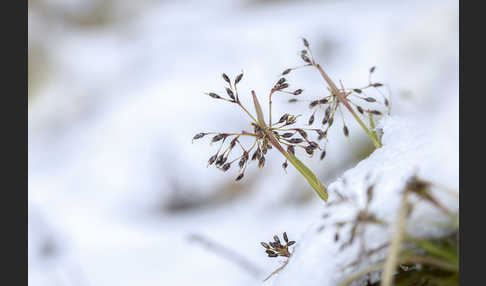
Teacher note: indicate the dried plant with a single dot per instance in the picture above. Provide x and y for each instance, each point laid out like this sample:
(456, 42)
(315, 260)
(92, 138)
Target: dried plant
(265, 135)
(349, 97)
(275, 249)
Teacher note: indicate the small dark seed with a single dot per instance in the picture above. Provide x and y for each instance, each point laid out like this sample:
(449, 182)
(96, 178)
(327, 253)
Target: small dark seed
(292, 100)
(281, 80)
(346, 131)
(309, 150)
(276, 239)
(376, 112)
(313, 103)
(226, 78)
(323, 154)
(217, 138)
(370, 99)
(261, 162)
(291, 243)
(283, 86)
(285, 165)
(360, 109)
(291, 149)
(230, 93)
(198, 136)
(298, 91)
(238, 78)
(357, 90)
(311, 119)
(226, 167)
(323, 101)
(376, 84)
(286, 71)
(302, 133)
(285, 237)
(287, 135)
(212, 159)
(240, 176)
(213, 95)
(372, 69)
(306, 43)
(265, 245)
(296, 140)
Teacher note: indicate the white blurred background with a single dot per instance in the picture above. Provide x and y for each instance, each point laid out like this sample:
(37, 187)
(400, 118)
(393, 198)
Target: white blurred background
(116, 93)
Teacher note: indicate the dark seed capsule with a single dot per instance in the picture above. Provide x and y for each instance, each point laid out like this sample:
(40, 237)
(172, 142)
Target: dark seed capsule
(296, 140)
(224, 160)
(323, 155)
(276, 239)
(292, 100)
(226, 167)
(313, 103)
(345, 131)
(336, 236)
(298, 91)
(327, 113)
(311, 119)
(291, 149)
(309, 150)
(291, 243)
(283, 118)
(265, 245)
(240, 176)
(370, 99)
(323, 101)
(302, 133)
(306, 43)
(283, 86)
(375, 112)
(324, 120)
(285, 165)
(305, 58)
(286, 71)
(313, 144)
(376, 84)
(287, 135)
(198, 136)
(217, 138)
(226, 78)
(272, 255)
(357, 90)
(285, 237)
(233, 143)
(281, 80)
(372, 69)
(268, 251)
(387, 102)
(360, 109)
(212, 159)
(369, 193)
(261, 162)
(242, 162)
(219, 160)
(230, 93)
(213, 95)
(238, 78)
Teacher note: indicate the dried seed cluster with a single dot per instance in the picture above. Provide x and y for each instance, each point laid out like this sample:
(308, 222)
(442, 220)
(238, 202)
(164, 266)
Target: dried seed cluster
(283, 131)
(275, 248)
(356, 98)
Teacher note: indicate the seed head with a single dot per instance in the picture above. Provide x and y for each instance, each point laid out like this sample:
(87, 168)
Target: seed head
(240, 176)
(226, 78)
(214, 95)
(230, 93)
(306, 43)
(298, 91)
(238, 78)
(286, 71)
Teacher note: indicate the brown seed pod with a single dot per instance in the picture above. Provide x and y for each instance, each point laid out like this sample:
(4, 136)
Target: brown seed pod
(226, 78)
(240, 176)
(298, 91)
(292, 100)
(345, 131)
(198, 136)
(281, 80)
(360, 109)
(218, 137)
(306, 43)
(375, 112)
(283, 118)
(213, 95)
(305, 58)
(296, 140)
(286, 71)
(302, 133)
(285, 237)
(265, 245)
(212, 159)
(261, 162)
(309, 150)
(230, 93)
(283, 86)
(313, 103)
(276, 239)
(357, 90)
(323, 101)
(287, 135)
(370, 99)
(372, 69)
(376, 84)
(238, 78)
(291, 149)
(285, 165)
(291, 243)
(323, 154)
(226, 167)
(311, 119)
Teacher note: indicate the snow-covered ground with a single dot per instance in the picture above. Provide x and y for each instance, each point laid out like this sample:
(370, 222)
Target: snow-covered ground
(110, 136)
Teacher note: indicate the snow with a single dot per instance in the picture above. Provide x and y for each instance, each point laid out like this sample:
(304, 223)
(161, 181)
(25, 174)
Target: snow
(110, 137)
